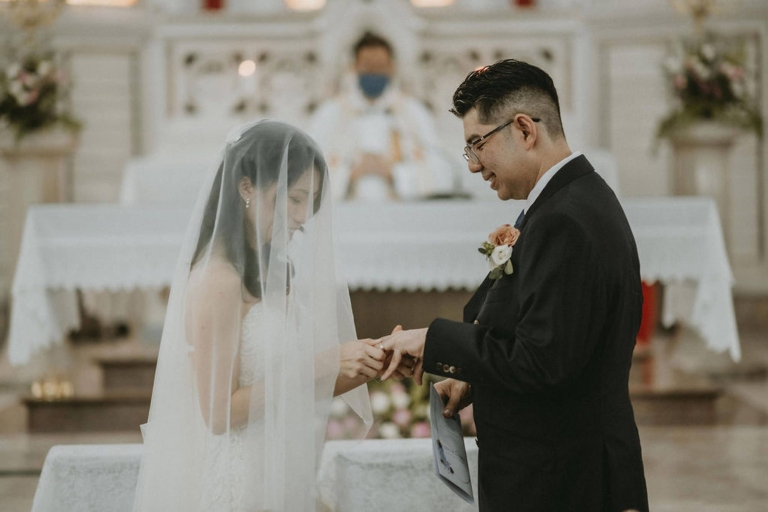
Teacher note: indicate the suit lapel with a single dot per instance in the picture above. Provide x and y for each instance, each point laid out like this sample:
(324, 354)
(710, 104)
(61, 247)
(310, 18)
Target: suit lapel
(472, 308)
(576, 168)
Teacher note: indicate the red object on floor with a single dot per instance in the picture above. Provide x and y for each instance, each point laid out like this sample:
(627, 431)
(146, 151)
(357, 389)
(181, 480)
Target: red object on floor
(213, 5)
(648, 321)
(525, 3)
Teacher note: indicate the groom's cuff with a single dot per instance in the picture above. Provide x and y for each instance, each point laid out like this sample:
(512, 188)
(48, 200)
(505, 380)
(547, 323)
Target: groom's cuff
(443, 349)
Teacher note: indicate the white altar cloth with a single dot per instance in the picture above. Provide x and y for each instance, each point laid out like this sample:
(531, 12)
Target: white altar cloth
(389, 475)
(353, 476)
(88, 478)
(401, 246)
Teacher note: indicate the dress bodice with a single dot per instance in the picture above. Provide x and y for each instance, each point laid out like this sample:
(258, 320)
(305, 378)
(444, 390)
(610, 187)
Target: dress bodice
(251, 354)
(232, 460)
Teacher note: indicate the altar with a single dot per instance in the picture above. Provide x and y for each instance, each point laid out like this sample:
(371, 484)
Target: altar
(407, 247)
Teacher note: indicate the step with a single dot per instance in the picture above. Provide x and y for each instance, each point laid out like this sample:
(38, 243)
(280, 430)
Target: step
(127, 373)
(107, 412)
(672, 397)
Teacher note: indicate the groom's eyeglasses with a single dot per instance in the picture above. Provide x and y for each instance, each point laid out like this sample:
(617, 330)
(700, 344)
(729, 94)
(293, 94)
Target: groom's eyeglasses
(469, 150)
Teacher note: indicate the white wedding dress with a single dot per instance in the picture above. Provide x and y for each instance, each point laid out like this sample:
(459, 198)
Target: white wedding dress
(232, 459)
(286, 345)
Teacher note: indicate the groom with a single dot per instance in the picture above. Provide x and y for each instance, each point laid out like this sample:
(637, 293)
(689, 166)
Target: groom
(544, 351)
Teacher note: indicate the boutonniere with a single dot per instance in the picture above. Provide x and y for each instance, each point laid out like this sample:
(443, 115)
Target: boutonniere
(498, 250)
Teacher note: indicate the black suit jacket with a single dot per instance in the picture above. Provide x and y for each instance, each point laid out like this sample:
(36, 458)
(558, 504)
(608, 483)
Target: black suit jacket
(547, 350)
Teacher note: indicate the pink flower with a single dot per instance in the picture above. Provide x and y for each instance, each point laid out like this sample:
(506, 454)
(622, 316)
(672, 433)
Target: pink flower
(396, 387)
(32, 96)
(420, 430)
(28, 79)
(498, 250)
(351, 426)
(504, 235)
(402, 417)
(680, 82)
(334, 430)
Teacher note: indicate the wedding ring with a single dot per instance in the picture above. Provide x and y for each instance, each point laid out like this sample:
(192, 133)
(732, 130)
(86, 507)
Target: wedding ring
(380, 346)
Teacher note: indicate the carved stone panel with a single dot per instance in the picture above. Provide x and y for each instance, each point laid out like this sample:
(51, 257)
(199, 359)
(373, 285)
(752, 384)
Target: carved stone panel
(242, 79)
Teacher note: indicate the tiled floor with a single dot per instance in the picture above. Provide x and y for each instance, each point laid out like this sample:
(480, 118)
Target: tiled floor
(700, 469)
(718, 468)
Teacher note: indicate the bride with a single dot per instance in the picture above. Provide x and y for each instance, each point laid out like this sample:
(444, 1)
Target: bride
(250, 357)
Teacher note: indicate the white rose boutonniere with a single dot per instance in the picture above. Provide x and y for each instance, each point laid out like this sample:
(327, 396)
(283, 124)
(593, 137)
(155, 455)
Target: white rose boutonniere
(498, 250)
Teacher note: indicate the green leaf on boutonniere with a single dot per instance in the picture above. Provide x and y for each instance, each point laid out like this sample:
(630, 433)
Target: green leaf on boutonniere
(496, 273)
(486, 249)
(508, 267)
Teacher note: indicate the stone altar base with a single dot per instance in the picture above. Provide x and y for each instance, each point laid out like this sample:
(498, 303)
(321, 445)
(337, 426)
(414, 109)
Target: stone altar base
(115, 397)
(108, 412)
(666, 388)
(128, 373)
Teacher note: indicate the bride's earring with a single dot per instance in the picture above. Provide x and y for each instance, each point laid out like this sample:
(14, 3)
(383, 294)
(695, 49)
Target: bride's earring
(247, 202)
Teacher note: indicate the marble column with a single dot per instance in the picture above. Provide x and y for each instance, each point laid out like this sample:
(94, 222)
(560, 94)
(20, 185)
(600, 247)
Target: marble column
(701, 165)
(34, 171)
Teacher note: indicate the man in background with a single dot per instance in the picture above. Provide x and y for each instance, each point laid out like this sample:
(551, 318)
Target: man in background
(380, 143)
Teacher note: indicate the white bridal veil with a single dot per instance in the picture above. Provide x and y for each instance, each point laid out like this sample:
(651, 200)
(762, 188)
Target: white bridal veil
(250, 347)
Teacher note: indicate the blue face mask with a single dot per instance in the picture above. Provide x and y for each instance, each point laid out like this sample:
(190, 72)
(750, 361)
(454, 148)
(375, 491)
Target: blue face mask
(373, 85)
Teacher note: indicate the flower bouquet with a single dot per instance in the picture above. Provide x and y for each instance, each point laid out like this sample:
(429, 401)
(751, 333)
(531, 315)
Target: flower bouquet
(31, 90)
(400, 410)
(709, 82)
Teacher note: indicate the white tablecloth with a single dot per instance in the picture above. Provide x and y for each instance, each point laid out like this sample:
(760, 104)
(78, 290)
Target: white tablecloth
(406, 246)
(167, 178)
(88, 478)
(354, 476)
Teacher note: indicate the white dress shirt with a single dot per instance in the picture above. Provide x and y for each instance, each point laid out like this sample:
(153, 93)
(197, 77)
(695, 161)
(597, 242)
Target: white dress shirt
(534, 194)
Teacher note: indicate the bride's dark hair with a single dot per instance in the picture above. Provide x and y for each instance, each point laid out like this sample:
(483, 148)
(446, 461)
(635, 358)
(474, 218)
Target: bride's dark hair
(257, 155)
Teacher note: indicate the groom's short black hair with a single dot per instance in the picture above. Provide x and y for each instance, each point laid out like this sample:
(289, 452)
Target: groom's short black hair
(508, 85)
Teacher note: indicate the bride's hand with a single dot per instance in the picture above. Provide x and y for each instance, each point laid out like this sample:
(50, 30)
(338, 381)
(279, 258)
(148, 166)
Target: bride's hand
(360, 358)
(405, 369)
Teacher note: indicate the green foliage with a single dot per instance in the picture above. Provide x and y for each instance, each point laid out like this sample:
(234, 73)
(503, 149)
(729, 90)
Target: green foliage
(486, 248)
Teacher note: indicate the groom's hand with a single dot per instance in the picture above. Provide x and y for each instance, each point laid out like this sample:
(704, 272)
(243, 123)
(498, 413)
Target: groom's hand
(406, 366)
(457, 393)
(403, 344)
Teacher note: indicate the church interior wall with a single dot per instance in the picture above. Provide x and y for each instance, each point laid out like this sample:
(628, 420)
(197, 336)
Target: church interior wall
(134, 83)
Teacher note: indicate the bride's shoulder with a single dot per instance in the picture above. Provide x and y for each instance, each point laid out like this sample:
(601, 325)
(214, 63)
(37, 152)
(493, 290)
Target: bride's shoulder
(215, 279)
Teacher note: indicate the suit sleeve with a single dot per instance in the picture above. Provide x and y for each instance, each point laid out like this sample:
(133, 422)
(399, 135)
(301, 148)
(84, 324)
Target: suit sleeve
(563, 304)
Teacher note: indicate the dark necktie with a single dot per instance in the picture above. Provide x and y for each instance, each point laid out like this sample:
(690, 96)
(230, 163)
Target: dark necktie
(519, 219)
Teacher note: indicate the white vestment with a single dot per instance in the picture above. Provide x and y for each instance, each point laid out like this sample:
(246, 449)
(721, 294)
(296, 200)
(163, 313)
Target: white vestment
(394, 125)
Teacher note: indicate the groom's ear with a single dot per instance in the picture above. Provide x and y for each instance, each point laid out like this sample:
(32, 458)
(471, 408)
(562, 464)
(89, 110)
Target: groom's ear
(528, 129)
